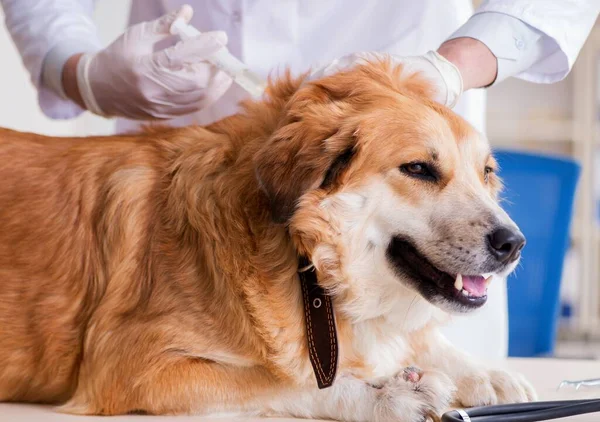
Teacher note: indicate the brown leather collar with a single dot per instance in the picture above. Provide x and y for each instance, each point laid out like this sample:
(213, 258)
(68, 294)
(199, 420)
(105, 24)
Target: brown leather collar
(320, 325)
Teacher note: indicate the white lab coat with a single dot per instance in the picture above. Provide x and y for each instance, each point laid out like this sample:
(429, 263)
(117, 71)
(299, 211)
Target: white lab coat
(271, 35)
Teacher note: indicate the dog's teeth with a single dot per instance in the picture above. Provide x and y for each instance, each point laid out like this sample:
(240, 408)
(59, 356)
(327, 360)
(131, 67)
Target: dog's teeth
(465, 293)
(458, 284)
(488, 280)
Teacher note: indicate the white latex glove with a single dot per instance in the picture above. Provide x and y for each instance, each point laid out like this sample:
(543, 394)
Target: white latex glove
(444, 76)
(129, 79)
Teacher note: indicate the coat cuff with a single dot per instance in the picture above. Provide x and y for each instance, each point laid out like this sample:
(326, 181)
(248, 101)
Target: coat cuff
(515, 44)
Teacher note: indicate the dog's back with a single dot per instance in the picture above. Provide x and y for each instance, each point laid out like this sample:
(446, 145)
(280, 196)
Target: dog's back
(91, 231)
(61, 201)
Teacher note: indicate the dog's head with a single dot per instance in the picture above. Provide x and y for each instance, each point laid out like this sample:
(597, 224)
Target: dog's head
(388, 191)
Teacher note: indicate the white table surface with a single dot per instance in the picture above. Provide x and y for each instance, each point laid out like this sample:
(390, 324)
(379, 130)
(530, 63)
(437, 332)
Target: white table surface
(544, 374)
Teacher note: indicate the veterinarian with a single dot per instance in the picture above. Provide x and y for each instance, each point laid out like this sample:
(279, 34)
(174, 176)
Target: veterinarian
(134, 79)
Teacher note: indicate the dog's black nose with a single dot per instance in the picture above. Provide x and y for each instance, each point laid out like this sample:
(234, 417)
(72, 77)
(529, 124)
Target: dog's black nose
(506, 244)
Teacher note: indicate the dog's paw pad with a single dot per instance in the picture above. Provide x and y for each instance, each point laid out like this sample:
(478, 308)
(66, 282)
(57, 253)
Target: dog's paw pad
(411, 374)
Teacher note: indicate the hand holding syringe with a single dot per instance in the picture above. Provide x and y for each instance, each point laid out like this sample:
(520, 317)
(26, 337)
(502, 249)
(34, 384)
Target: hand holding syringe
(224, 61)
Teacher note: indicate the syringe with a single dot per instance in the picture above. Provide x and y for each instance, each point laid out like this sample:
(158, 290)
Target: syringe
(225, 61)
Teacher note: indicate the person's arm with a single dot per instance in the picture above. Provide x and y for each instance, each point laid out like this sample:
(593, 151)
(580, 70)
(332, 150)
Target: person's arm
(477, 64)
(534, 40)
(58, 43)
(47, 33)
(69, 80)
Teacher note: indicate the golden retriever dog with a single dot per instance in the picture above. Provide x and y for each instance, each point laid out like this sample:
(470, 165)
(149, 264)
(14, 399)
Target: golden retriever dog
(159, 272)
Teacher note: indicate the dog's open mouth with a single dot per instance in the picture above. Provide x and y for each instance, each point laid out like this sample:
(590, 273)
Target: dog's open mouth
(470, 291)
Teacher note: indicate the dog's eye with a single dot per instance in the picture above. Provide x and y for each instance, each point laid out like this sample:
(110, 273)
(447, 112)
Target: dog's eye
(419, 170)
(486, 174)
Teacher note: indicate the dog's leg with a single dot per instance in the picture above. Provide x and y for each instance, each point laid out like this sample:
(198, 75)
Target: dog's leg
(410, 396)
(181, 386)
(476, 384)
(193, 386)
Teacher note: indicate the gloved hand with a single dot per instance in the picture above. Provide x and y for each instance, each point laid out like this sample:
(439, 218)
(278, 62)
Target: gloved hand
(444, 76)
(129, 79)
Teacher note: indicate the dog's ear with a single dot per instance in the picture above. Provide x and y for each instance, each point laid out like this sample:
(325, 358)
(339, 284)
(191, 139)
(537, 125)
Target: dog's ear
(310, 149)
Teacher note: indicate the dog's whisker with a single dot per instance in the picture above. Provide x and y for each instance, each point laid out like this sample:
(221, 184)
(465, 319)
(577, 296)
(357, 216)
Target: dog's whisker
(307, 268)
(413, 301)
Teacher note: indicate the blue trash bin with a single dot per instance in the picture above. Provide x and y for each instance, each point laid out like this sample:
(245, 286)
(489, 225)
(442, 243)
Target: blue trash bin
(539, 193)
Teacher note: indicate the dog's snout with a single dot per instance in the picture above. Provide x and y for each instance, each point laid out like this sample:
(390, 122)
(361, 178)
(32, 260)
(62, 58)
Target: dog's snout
(506, 244)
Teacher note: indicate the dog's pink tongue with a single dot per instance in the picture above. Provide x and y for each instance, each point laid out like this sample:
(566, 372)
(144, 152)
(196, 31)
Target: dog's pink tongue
(474, 284)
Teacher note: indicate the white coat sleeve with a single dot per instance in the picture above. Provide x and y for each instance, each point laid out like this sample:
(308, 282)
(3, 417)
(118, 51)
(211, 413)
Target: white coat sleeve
(534, 40)
(47, 33)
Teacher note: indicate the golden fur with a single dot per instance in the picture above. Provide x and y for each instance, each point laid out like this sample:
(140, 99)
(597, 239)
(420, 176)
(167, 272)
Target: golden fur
(156, 272)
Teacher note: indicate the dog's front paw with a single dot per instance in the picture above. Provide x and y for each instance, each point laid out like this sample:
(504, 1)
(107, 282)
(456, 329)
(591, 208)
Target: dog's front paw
(487, 387)
(414, 395)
